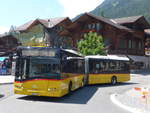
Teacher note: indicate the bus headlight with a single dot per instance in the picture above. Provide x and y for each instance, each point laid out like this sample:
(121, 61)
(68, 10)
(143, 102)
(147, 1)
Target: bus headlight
(18, 86)
(52, 89)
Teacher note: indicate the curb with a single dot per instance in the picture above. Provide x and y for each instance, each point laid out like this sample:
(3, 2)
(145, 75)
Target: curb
(6, 83)
(130, 109)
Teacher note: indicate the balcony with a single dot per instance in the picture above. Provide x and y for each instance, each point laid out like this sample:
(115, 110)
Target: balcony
(127, 52)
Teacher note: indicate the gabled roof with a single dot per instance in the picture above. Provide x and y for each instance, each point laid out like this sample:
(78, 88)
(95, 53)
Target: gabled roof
(138, 20)
(105, 20)
(48, 23)
(124, 20)
(6, 35)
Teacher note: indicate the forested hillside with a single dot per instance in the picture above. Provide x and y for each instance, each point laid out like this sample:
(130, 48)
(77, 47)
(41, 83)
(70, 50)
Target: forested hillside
(123, 8)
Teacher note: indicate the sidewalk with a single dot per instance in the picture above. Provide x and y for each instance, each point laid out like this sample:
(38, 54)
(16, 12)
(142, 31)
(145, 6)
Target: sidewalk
(133, 101)
(141, 74)
(6, 79)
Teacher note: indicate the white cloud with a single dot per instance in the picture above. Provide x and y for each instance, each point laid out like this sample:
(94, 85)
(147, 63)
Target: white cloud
(74, 7)
(3, 29)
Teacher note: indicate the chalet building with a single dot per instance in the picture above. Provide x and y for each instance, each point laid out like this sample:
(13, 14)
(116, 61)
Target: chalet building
(139, 24)
(147, 42)
(120, 36)
(43, 32)
(8, 44)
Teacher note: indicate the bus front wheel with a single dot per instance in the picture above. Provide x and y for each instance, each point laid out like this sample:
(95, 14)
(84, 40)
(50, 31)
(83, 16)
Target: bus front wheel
(114, 80)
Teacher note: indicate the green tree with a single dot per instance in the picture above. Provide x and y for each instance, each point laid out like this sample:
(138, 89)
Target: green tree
(91, 44)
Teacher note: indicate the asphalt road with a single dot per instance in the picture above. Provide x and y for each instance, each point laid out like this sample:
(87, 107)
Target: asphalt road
(90, 99)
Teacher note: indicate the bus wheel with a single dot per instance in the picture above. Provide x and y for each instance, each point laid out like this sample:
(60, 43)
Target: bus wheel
(114, 80)
(70, 87)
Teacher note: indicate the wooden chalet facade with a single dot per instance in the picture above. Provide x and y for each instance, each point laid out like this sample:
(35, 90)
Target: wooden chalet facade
(147, 42)
(118, 39)
(43, 32)
(8, 44)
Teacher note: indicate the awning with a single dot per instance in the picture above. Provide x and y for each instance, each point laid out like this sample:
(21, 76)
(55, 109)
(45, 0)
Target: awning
(139, 58)
(2, 58)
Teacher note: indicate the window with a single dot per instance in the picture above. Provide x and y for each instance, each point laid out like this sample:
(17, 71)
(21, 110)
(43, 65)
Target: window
(73, 66)
(124, 66)
(122, 43)
(98, 26)
(140, 45)
(89, 26)
(44, 68)
(134, 44)
(112, 66)
(130, 44)
(107, 41)
(97, 66)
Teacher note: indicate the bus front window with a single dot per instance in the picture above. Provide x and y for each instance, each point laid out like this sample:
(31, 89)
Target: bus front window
(44, 68)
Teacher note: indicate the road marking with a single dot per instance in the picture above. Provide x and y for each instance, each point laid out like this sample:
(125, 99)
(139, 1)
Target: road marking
(130, 109)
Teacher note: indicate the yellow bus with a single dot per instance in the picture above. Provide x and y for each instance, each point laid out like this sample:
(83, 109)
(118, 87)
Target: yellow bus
(44, 71)
(106, 69)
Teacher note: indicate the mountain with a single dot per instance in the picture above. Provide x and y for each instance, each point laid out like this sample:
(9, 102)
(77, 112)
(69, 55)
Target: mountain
(123, 8)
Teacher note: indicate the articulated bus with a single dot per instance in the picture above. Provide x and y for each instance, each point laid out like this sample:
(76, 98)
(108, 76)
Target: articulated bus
(43, 71)
(107, 69)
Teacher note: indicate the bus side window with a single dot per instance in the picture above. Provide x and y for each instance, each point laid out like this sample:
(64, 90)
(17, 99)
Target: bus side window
(97, 68)
(80, 66)
(112, 66)
(55, 68)
(91, 66)
(68, 66)
(122, 66)
(126, 67)
(117, 66)
(103, 66)
(49, 67)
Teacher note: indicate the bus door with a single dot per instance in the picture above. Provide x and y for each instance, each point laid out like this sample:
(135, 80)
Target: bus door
(18, 68)
(86, 75)
(54, 71)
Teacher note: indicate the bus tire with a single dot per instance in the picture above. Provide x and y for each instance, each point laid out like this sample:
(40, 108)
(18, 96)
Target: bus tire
(114, 80)
(70, 87)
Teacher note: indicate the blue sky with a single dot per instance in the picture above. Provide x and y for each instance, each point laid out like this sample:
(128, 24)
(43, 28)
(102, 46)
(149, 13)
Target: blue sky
(18, 12)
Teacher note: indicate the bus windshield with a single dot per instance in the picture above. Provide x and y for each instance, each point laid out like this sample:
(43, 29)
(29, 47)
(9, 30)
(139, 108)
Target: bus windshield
(44, 68)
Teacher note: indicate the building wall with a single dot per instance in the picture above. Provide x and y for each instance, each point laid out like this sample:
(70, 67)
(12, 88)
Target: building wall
(32, 37)
(7, 43)
(113, 38)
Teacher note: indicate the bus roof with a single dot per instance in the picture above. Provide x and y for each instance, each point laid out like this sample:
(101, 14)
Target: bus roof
(110, 57)
(46, 51)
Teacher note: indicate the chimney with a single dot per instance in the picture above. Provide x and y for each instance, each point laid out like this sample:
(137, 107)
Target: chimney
(49, 23)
